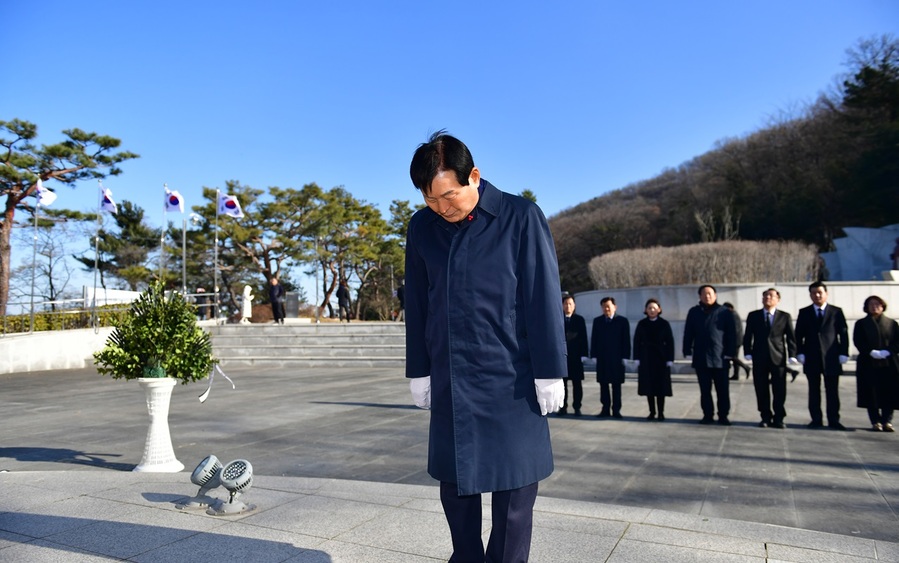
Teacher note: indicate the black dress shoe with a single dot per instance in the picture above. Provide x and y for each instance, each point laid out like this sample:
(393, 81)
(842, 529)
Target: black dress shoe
(814, 424)
(723, 421)
(763, 424)
(603, 414)
(734, 377)
(651, 416)
(661, 417)
(777, 424)
(706, 420)
(836, 426)
(562, 412)
(577, 412)
(617, 415)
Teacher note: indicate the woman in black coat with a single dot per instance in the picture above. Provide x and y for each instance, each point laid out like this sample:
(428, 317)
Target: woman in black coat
(654, 354)
(877, 371)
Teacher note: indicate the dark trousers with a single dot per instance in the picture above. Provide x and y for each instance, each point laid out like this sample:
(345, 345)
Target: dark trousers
(653, 401)
(770, 381)
(577, 388)
(707, 377)
(608, 398)
(278, 311)
(343, 311)
(881, 416)
(832, 393)
(513, 521)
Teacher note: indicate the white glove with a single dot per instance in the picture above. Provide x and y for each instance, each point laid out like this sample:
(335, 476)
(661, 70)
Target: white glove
(877, 354)
(421, 391)
(885, 354)
(636, 363)
(843, 359)
(748, 357)
(624, 362)
(585, 359)
(801, 359)
(793, 361)
(550, 394)
(669, 364)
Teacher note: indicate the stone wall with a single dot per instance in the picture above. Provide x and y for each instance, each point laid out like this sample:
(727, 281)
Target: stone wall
(63, 349)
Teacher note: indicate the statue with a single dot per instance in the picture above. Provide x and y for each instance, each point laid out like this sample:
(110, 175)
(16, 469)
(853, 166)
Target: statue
(247, 304)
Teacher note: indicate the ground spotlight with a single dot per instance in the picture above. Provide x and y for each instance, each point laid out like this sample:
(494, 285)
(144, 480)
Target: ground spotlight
(237, 478)
(207, 477)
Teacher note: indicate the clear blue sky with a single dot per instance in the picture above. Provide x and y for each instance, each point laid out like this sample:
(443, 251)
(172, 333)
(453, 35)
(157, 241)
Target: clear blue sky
(567, 99)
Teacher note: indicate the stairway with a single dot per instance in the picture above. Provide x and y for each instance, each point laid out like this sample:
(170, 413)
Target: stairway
(328, 344)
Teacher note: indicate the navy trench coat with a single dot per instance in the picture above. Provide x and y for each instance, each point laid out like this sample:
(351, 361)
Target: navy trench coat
(484, 320)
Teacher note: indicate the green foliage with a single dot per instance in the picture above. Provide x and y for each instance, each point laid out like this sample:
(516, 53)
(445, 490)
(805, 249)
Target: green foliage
(158, 331)
(804, 177)
(107, 315)
(81, 156)
(124, 254)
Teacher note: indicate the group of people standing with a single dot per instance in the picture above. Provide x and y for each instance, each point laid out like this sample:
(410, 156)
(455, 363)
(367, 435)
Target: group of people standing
(486, 345)
(610, 346)
(712, 336)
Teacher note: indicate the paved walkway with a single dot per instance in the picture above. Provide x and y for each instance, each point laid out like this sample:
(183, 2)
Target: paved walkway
(338, 458)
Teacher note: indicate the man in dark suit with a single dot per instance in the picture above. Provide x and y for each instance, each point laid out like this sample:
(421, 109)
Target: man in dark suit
(710, 341)
(822, 339)
(610, 344)
(768, 341)
(576, 342)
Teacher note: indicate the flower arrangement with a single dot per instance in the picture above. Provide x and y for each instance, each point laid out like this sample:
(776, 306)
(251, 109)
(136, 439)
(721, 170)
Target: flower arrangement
(157, 337)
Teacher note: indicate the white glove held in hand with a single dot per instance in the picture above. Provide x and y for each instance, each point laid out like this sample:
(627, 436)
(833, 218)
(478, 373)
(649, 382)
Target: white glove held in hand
(876, 354)
(793, 361)
(843, 359)
(884, 354)
(801, 359)
(421, 391)
(748, 357)
(550, 394)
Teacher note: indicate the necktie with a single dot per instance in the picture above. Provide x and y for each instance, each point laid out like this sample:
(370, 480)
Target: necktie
(768, 318)
(820, 314)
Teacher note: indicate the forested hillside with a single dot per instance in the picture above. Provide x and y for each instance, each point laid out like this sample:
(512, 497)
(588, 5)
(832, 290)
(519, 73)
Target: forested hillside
(803, 178)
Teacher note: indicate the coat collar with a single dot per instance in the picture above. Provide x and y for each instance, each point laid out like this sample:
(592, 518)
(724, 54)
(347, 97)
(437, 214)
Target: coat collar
(489, 201)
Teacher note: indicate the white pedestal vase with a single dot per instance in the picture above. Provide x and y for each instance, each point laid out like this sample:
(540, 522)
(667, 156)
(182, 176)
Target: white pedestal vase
(159, 457)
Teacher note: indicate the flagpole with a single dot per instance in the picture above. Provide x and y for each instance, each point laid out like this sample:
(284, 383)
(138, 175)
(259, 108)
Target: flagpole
(215, 259)
(94, 321)
(37, 206)
(165, 212)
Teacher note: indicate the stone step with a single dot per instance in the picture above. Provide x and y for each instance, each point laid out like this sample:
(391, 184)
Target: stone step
(311, 350)
(314, 361)
(310, 345)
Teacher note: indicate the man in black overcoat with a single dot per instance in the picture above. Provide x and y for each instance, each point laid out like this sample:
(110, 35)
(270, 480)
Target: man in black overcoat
(576, 343)
(822, 340)
(610, 345)
(710, 340)
(768, 342)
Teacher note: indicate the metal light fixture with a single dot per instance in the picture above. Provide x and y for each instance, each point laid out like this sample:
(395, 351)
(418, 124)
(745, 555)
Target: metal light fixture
(207, 477)
(237, 478)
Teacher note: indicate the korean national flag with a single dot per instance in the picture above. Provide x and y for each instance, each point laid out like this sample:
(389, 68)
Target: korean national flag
(228, 205)
(44, 196)
(107, 204)
(174, 202)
